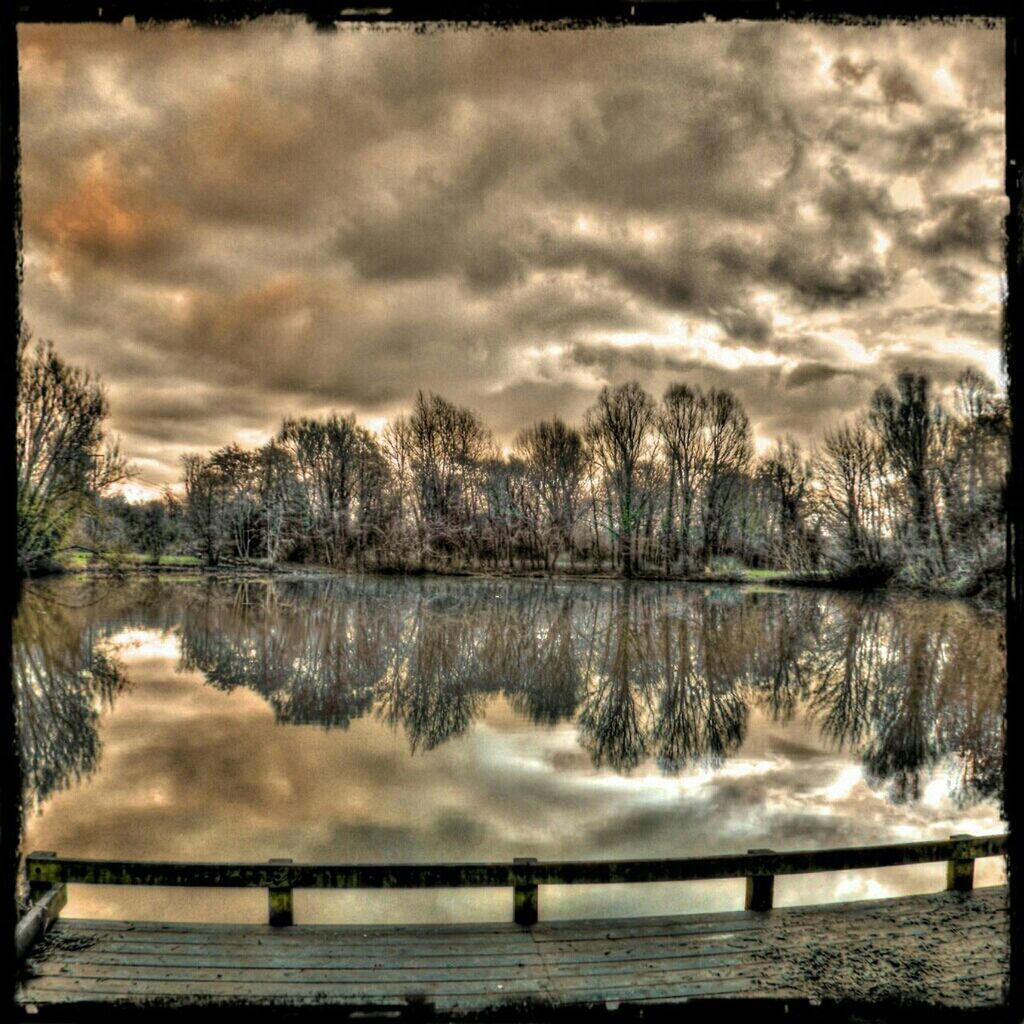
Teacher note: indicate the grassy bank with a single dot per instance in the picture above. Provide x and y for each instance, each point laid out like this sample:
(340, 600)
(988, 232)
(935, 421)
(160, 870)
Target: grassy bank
(77, 560)
(989, 593)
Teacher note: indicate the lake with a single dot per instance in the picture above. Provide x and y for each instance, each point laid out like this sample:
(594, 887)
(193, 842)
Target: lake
(413, 719)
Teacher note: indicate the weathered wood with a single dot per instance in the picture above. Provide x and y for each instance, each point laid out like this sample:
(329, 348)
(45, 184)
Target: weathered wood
(960, 866)
(338, 959)
(362, 991)
(760, 889)
(567, 961)
(34, 925)
(262, 973)
(487, 875)
(300, 932)
(280, 913)
(953, 947)
(524, 899)
(39, 886)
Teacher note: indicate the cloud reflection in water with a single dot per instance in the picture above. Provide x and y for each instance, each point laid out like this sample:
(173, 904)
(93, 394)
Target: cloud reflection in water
(384, 719)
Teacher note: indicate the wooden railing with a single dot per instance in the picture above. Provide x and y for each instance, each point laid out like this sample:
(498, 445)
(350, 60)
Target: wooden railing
(47, 872)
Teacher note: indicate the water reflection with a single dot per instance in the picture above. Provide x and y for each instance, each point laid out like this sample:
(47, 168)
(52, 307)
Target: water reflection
(64, 680)
(644, 671)
(656, 672)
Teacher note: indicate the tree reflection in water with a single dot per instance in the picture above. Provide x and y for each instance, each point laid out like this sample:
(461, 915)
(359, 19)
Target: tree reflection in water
(63, 681)
(646, 671)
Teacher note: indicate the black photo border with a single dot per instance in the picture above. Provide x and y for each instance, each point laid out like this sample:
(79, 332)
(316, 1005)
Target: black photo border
(551, 15)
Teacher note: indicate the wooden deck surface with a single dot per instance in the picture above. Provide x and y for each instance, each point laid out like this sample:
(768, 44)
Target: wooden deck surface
(946, 948)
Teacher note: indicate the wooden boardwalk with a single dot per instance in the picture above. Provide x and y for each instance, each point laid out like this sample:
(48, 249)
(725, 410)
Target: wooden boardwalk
(949, 948)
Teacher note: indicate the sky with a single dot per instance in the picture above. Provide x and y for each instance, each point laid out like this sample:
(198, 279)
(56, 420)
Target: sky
(230, 226)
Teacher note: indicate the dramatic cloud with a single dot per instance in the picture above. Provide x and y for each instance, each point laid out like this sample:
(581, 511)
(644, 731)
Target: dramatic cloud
(230, 226)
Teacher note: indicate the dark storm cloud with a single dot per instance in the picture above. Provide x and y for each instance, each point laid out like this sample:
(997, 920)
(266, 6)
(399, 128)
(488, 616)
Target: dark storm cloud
(824, 278)
(231, 226)
(964, 224)
(942, 142)
(854, 206)
(955, 282)
(182, 415)
(618, 362)
(811, 374)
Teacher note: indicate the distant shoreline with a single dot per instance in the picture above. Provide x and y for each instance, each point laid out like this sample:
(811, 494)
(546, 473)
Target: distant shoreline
(742, 578)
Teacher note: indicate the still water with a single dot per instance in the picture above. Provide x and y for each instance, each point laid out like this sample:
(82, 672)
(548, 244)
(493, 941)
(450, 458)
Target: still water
(390, 719)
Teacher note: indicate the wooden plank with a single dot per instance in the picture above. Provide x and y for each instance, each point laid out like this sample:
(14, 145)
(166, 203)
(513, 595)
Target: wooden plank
(324, 942)
(53, 870)
(287, 938)
(497, 930)
(344, 957)
(356, 958)
(259, 973)
(130, 967)
(249, 954)
(363, 991)
(428, 943)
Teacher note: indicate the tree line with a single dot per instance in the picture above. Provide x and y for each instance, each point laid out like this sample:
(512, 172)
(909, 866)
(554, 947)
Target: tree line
(642, 487)
(911, 489)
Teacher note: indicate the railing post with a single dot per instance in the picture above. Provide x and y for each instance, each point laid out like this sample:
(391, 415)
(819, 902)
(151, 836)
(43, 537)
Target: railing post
(960, 869)
(760, 889)
(524, 898)
(39, 887)
(280, 900)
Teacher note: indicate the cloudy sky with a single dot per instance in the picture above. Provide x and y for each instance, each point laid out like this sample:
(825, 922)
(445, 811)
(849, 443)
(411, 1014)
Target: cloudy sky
(230, 226)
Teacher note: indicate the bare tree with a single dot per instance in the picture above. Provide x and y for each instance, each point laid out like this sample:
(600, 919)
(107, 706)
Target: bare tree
(682, 422)
(206, 498)
(973, 463)
(239, 472)
(618, 431)
(904, 421)
(278, 496)
(445, 445)
(727, 455)
(554, 462)
(63, 462)
(787, 476)
(850, 468)
(339, 467)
